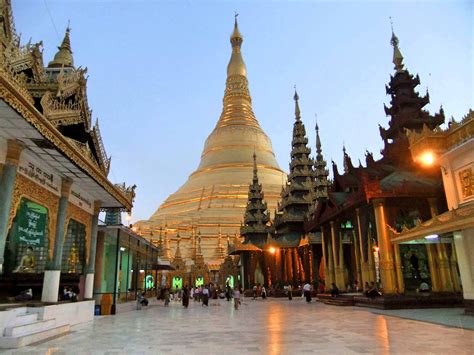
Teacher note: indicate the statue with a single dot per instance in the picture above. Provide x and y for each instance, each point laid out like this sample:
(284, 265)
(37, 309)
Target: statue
(27, 262)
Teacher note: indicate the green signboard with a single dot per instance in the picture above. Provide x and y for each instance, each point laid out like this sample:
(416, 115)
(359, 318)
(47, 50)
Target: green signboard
(177, 282)
(31, 223)
(199, 281)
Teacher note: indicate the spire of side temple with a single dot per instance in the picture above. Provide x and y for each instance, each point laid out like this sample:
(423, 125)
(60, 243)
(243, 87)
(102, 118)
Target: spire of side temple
(297, 106)
(255, 228)
(63, 57)
(297, 195)
(166, 247)
(397, 55)
(320, 172)
(177, 255)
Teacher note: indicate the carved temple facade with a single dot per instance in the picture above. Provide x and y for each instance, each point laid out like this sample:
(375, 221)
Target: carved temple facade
(352, 230)
(53, 170)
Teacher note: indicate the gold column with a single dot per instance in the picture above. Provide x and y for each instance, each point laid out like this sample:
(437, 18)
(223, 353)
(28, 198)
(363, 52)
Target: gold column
(357, 260)
(310, 264)
(289, 265)
(283, 262)
(338, 270)
(454, 270)
(364, 267)
(372, 277)
(387, 270)
(444, 268)
(328, 279)
(330, 271)
(434, 272)
(296, 264)
(398, 268)
(436, 284)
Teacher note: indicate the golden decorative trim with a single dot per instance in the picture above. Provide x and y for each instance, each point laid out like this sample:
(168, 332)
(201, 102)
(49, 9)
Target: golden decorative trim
(10, 93)
(81, 216)
(466, 178)
(25, 188)
(14, 149)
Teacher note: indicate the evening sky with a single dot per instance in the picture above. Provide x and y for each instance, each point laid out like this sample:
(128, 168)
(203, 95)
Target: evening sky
(157, 72)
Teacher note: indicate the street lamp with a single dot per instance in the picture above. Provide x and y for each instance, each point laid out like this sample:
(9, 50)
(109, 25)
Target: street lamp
(427, 158)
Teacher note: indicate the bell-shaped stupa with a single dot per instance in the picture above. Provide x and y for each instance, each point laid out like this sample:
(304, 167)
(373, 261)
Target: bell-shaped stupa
(213, 200)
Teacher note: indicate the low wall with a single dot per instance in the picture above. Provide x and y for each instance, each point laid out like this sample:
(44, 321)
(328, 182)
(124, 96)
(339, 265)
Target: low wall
(71, 313)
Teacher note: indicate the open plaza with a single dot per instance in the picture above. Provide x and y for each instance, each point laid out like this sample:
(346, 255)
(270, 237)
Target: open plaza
(275, 326)
(374, 255)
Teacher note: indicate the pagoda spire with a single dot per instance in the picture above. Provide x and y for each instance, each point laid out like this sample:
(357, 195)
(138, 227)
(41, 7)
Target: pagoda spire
(397, 55)
(198, 249)
(220, 252)
(297, 106)
(406, 111)
(177, 255)
(166, 246)
(255, 226)
(320, 171)
(297, 195)
(237, 108)
(63, 57)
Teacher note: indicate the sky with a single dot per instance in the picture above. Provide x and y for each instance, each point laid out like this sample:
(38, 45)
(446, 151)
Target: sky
(157, 72)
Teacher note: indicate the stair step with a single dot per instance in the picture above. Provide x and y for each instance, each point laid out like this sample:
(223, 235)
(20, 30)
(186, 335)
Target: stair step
(24, 340)
(30, 328)
(24, 319)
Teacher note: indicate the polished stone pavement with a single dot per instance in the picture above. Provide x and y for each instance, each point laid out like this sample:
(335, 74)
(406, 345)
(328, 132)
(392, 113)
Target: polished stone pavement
(266, 327)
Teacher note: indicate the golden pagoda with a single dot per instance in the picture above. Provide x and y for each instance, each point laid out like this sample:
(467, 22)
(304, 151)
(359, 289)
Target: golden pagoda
(213, 199)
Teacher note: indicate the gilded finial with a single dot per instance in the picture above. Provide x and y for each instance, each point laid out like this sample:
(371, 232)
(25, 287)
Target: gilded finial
(255, 178)
(397, 55)
(63, 58)
(236, 64)
(318, 140)
(297, 106)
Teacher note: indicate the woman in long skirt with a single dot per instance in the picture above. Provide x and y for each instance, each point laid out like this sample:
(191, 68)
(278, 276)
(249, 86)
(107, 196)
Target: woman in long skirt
(185, 297)
(290, 293)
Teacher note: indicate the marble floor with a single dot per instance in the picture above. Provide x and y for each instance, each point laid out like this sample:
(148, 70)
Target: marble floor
(265, 327)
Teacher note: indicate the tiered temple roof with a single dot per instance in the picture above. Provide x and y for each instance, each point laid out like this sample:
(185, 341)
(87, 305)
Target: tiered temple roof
(395, 174)
(255, 228)
(321, 173)
(297, 195)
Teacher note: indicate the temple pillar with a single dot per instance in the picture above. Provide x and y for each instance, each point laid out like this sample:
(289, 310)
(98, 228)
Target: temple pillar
(398, 268)
(289, 265)
(53, 274)
(89, 287)
(338, 269)
(296, 265)
(7, 186)
(357, 259)
(310, 264)
(283, 265)
(464, 243)
(432, 254)
(99, 262)
(434, 271)
(454, 270)
(444, 268)
(327, 259)
(364, 267)
(386, 266)
(371, 261)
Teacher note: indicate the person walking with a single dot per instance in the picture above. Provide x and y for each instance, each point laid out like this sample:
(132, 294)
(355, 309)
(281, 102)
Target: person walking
(254, 291)
(185, 296)
(237, 293)
(205, 296)
(290, 292)
(166, 296)
(264, 293)
(307, 292)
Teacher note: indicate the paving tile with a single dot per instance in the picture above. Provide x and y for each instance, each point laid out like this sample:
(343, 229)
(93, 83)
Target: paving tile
(271, 327)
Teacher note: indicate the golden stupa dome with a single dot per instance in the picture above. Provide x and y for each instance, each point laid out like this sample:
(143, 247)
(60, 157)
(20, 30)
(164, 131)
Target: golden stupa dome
(213, 199)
